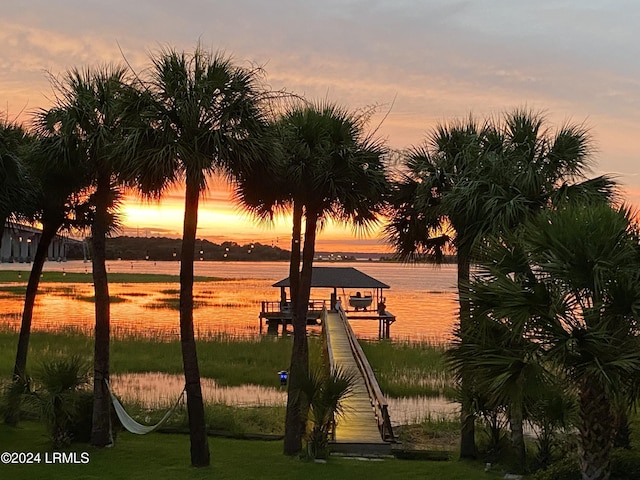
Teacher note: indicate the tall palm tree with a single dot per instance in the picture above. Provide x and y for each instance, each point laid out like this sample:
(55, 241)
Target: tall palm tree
(87, 118)
(329, 168)
(423, 221)
(60, 184)
(471, 179)
(575, 294)
(200, 115)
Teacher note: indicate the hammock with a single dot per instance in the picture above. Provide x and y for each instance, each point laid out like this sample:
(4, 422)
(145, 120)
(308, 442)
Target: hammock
(130, 424)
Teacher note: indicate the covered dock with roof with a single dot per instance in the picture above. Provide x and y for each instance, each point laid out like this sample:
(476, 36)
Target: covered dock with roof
(368, 306)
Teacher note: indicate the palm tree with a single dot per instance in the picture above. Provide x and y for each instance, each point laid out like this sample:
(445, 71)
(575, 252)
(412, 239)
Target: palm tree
(508, 375)
(324, 392)
(470, 179)
(87, 118)
(329, 168)
(15, 185)
(579, 308)
(59, 384)
(423, 220)
(201, 115)
(60, 184)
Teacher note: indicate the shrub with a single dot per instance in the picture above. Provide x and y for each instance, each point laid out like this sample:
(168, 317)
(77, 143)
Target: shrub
(565, 469)
(625, 464)
(324, 394)
(57, 396)
(80, 423)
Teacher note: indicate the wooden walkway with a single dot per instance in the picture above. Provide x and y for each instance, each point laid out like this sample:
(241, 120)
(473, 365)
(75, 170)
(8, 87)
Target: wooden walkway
(357, 432)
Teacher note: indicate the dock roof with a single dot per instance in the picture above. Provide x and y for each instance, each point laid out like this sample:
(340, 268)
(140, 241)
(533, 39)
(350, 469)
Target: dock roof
(338, 277)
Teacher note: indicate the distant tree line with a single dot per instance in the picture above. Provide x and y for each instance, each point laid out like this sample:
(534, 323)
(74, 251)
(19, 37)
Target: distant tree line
(168, 249)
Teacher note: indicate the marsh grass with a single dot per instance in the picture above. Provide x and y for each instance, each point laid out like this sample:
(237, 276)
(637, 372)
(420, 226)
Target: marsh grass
(430, 434)
(11, 290)
(92, 298)
(170, 291)
(220, 419)
(172, 304)
(230, 360)
(403, 369)
(406, 369)
(61, 290)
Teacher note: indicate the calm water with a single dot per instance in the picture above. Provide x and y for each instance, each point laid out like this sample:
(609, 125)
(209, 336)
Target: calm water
(422, 298)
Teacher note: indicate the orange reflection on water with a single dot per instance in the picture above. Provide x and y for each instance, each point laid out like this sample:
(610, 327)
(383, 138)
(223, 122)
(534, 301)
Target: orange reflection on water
(423, 299)
(161, 390)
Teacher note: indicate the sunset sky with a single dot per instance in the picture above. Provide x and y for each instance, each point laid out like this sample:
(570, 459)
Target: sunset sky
(577, 60)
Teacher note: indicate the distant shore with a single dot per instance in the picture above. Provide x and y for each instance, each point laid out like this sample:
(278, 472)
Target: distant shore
(168, 249)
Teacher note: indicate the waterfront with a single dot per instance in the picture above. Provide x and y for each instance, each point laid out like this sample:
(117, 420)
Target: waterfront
(422, 297)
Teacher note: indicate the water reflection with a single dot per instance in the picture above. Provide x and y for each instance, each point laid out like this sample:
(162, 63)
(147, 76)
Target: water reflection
(156, 390)
(161, 390)
(422, 298)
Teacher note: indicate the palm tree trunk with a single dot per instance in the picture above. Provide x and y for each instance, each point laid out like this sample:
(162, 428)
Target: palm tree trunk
(101, 434)
(296, 247)
(2, 220)
(622, 435)
(12, 415)
(299, 368)
(293, 432)
(200, 456)
(517, 436)
(467, 419)
(304, 295)
(595, 432)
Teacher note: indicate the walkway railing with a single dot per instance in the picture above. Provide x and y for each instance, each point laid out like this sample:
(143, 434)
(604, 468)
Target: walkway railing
(378, 400)
(279, 307)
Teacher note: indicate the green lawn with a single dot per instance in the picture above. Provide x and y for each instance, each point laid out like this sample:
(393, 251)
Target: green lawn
(158, 456)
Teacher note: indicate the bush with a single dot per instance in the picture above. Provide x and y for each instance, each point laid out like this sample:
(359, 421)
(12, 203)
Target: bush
(565, 469)
(12, 393)
(625, 465)
(80, 422)
(57, 396)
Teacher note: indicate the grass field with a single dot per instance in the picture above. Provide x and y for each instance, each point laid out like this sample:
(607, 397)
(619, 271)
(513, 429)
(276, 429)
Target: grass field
(403, 369)
(162, 456)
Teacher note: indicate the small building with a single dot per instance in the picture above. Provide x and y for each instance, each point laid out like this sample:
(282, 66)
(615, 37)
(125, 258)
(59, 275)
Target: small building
(363, 301)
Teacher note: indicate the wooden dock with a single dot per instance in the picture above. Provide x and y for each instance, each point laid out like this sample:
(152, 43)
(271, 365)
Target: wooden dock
(360, 431)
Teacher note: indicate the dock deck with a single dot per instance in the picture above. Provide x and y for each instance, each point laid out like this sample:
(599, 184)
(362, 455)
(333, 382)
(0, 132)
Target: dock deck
(278, 316)
(358, 432)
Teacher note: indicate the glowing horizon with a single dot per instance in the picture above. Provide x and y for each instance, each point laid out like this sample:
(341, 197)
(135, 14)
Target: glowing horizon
(220, 220)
